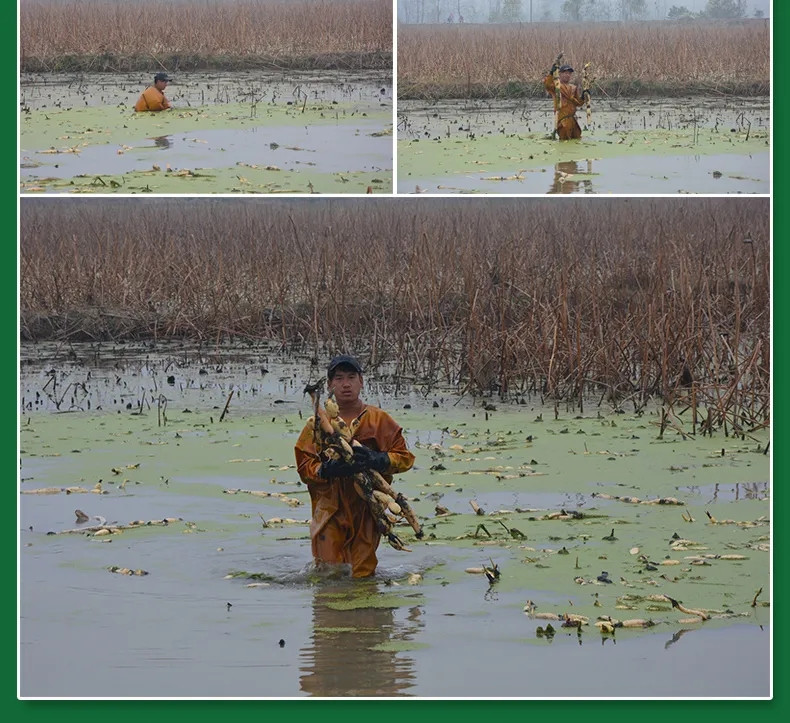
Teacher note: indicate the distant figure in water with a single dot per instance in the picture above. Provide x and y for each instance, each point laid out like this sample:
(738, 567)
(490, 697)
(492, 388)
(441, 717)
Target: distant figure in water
(570, 99)
(153, 97)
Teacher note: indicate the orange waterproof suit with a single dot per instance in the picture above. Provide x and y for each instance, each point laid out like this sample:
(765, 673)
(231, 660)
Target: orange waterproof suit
(152, 99)
(342, 528)
(567, 125)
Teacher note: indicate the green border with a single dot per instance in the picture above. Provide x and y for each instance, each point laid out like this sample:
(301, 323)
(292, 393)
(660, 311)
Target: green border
(781, 217)
(384, 710)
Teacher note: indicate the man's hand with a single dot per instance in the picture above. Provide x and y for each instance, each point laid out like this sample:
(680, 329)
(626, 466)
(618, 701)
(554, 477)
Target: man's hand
(554, 67)
(585, 92)
(337, 468)
(366, 458)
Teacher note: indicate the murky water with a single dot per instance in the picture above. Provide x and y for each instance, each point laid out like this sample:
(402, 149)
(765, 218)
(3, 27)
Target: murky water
(192, 628)
(254, 132)
(650, 146)
(673, 174)
(290, 149)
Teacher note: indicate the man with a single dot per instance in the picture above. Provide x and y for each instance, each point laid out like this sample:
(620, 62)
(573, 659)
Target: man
(342, 528)
(570, 100)
(153, 97)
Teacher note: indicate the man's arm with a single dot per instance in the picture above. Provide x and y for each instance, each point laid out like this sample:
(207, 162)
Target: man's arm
(390, 454)
(308, 462)
(401, 459)
(309, 465)
(577, 98)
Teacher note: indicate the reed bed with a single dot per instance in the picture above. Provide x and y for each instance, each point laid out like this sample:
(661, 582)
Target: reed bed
(109, 35)
(489, 61)
(629, 299)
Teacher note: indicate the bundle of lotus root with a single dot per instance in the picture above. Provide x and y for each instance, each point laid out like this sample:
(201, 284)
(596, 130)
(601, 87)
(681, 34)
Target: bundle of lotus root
(334, 439)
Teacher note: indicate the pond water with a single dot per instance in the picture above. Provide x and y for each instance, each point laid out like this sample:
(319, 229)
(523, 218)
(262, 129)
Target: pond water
(243, 131)
(233, 608)
(695, 145)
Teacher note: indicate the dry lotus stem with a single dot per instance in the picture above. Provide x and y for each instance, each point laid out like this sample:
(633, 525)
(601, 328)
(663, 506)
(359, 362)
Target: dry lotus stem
(688, 611)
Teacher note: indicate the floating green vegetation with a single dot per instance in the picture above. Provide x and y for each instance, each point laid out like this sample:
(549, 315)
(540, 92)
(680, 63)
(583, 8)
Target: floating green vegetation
(265, 180)
(243, 575)
(375, 600)
(485, 156)
(599, 515)
(71, 130)
(399, 646)
(54, 140)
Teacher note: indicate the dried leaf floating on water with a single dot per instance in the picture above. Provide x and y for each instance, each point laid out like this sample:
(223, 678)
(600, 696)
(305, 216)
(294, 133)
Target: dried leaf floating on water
(127, 571)
(291, 501)
(114, 528)
(637, 501)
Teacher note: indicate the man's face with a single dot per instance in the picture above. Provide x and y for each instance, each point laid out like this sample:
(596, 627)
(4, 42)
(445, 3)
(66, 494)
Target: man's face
(160, 84)
(347, 385)
(565, 76)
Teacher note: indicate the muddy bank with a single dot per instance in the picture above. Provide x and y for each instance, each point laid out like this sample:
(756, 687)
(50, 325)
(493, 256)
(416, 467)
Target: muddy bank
(610, 88)
(181, 62)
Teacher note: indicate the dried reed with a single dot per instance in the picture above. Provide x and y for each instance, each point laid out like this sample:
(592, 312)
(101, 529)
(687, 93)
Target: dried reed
(112, 35)
(627, 299)
(496, 60)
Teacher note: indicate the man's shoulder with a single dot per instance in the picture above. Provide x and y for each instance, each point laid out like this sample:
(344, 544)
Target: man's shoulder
(376, 416)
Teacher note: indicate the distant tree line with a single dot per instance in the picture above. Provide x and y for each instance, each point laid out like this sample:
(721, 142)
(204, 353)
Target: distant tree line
(515, 11)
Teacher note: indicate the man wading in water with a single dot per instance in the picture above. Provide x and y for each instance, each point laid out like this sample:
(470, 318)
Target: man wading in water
(565, 105)
(153, 97)
(343, 529)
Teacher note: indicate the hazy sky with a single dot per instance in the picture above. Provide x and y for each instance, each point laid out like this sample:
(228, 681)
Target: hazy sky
(477, 10)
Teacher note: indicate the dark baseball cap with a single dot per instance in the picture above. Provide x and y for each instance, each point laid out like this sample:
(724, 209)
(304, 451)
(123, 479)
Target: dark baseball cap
(563, 68)
(343, 359)
(162, 76)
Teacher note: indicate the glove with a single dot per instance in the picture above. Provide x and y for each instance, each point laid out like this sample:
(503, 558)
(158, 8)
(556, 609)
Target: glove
(585, 92)
(366, 458)
(553, 68)
(336, 468)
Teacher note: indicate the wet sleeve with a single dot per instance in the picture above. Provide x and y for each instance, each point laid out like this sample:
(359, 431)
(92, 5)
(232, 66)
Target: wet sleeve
(307, 460)
(141, 105)
(389, 438)
(575, 98)
(548, 83)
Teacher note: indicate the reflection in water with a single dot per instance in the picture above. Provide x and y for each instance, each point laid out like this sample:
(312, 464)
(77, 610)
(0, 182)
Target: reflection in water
(162, 142)
(675, 637)
(349, 655)
(564, 181)
(725, 493)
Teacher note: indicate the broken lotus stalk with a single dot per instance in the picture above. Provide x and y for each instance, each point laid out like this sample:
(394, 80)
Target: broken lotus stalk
(586, 82)
(557, 93)
(688, 611)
